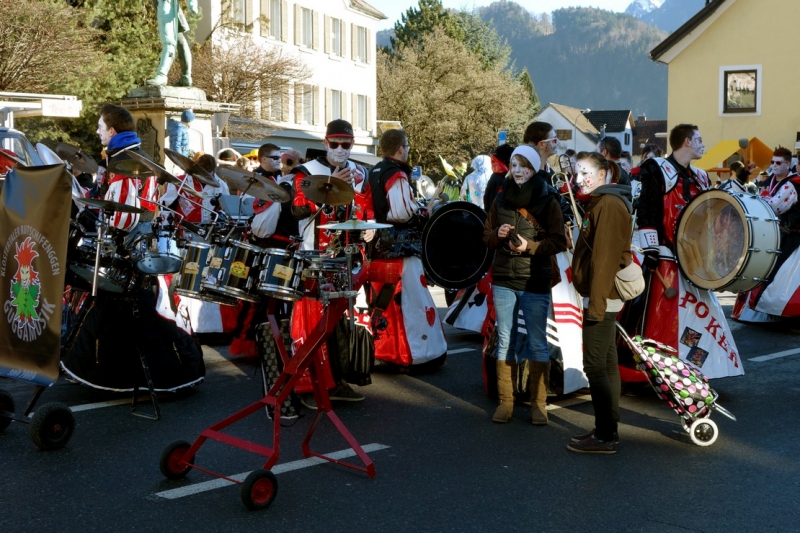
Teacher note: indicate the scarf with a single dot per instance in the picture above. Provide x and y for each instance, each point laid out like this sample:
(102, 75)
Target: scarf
(123, 140)
(529, 195)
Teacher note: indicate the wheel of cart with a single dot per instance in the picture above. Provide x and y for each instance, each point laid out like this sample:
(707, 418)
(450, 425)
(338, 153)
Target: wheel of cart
(51, 425)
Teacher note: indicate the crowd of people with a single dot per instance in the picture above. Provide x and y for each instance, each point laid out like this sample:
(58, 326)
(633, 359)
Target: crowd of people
(623, 213)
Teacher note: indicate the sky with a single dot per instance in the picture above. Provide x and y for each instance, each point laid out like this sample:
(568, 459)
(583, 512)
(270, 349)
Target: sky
(394, 8)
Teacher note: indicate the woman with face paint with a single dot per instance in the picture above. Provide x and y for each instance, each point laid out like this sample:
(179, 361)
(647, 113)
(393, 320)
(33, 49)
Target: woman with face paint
(526, 229)
(602, 249)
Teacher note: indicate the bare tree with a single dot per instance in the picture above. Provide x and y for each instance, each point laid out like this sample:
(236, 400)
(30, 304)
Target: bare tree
(44, 46)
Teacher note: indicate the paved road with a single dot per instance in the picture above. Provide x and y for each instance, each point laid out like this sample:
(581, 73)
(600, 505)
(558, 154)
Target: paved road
(441, 464)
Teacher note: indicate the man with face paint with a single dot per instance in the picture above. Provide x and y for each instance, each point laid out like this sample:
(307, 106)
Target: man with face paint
(338, 144)
(668, 185)
(336, 359)
(779, 295)
(602, 248)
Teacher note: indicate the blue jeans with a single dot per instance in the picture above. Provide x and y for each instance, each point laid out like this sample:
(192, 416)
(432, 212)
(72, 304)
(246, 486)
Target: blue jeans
(535, 308)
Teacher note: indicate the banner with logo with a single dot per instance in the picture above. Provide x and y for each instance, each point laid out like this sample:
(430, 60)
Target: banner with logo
(34, 225)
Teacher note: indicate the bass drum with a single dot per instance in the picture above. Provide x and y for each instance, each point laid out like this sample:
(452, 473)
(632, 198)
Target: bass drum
(727, 241)
(453, 253)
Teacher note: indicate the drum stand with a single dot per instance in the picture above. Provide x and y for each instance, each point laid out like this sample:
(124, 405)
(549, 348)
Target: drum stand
(260, 487)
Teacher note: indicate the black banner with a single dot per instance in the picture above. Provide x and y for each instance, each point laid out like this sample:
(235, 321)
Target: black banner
(34, 225)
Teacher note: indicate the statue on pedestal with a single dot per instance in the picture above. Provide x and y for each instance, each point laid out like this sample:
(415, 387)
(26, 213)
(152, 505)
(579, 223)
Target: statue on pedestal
(172, 25)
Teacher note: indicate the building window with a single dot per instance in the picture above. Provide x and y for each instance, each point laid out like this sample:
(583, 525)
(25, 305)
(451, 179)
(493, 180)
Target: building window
(362, 44)
(740, 90)
(275, 16)
(307, 28)
(336, 105)
(564, 135)
(272, 106)
(337, 37)
(238, 12)
(361, 113)
(627, 139)
(309, 96)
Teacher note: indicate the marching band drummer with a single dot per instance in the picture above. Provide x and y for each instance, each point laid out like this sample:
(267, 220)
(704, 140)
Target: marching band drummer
(692, 322)
(338, 143)
(115, 127)
(407, 330)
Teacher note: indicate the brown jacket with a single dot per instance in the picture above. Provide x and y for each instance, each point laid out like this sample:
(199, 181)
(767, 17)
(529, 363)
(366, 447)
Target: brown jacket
(603, 247)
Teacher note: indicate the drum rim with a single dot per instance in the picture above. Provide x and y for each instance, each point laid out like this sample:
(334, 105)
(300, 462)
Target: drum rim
(743, 262)
(485, 264)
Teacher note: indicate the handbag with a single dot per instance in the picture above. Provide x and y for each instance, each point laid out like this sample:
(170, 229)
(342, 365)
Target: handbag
(629, 281)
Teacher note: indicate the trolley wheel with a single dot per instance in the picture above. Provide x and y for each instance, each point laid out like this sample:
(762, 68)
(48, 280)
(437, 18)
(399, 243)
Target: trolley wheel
(171, 461)
(51, 426)
(259, 489)
(703, 432)
(6, 404)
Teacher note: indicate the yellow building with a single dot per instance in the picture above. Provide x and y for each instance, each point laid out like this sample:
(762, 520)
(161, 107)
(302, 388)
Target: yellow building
(733, 71)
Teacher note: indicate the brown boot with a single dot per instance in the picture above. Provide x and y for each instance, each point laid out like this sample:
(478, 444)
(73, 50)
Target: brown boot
(505, 392)
(539, 377)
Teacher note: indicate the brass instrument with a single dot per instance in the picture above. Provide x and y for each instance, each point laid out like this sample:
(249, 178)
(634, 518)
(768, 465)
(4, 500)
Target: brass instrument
(559, 179)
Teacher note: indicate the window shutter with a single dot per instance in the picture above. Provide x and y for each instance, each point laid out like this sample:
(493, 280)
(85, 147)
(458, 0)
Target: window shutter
(298, 25)
(328, 103)
(369, 113)
(315, 30)
(354, 110)
(353, 41)
(315, 92)
(343, 105)
(263, 27)
(368, 39)
(326, 30)
(298, 103)
(342, 27)
(284, 20)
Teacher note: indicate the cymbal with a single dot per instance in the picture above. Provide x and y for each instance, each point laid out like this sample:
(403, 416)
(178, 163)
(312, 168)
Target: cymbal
(108, 205)
(190, 167)
(131, 167)
(76, 157)
(355, 225)
(326, 190)
(161, 174)
(253, 184)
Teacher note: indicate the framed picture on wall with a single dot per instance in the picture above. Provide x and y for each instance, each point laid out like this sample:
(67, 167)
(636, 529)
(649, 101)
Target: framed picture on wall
(741, 91)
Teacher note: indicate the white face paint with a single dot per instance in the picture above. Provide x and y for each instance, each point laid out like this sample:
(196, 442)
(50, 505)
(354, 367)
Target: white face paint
(338, 156)
(518, 172)
(589, 176)
(696, 144)
(780, 167)
(548, 145)
(271, 162)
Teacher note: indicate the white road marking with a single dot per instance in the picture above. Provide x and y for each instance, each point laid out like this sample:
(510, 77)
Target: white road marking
(462, 350)
(197, 488)
(778, 355)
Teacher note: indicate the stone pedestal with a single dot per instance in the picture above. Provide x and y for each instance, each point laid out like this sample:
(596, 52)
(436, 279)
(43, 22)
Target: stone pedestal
(153, 107)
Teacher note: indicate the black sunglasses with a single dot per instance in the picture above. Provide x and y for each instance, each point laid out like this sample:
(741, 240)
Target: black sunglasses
(334, 145)
(273, 157)
(778, 162)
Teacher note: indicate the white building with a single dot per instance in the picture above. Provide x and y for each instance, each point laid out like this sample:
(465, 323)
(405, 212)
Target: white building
(573, 129)
(336, 41)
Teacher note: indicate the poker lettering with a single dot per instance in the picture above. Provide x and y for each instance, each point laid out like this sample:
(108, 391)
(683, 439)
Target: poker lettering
(714, 327)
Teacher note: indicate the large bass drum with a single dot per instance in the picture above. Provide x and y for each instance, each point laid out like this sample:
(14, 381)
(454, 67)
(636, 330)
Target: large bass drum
(453, 253)
(727, 241)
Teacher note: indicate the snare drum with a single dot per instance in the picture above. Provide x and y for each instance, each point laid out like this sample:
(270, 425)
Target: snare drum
(324, 274)
(234, 271)
(280, 274)
(727, 240)
(116, 279)
(157, 254)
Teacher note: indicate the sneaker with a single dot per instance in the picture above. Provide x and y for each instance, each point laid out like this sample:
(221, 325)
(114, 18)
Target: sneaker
(344, 393)
(578, 438)
(593, 445)
(308, 401)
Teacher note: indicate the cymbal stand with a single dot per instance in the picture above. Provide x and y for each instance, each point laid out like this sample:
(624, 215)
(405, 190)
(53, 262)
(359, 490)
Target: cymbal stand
(102, 226)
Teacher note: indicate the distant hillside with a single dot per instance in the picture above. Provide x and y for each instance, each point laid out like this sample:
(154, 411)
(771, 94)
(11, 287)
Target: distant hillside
(585, 57)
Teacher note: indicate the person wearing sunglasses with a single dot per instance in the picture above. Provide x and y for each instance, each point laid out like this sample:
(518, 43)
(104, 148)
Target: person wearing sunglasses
(774, 297)
(353, 364)
(273, 224)
(338, 144)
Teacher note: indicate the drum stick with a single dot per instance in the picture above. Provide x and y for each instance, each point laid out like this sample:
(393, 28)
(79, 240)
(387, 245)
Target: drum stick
(669, 290)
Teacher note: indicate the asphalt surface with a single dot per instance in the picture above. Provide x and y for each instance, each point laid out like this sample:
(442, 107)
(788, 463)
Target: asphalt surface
(441, 464)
